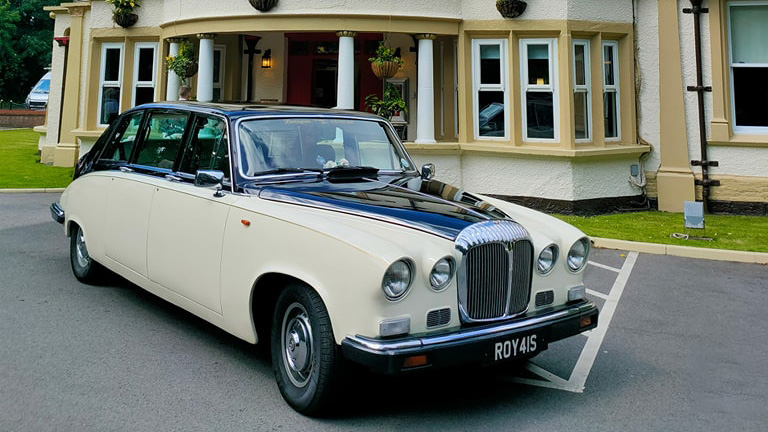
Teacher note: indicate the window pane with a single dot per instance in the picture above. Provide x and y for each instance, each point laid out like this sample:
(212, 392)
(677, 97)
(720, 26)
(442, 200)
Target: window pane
(749, 34)
(538, 64)
(611, 120)
(581, 115)
(110, 104)
(216, 66)
(540, 115)
(144, 95)
(580, 67)
(112, 64)
(146, 64)
(491, 116)
(208, 148)
(608, 59)
(162, 140)
(490, 64)
(119, 149)
(750, 91)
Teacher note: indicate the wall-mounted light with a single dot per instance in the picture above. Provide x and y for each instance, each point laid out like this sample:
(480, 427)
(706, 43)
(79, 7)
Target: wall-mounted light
(266, 59)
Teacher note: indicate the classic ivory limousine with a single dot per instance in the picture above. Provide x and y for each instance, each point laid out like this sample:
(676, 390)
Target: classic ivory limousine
(314, 231)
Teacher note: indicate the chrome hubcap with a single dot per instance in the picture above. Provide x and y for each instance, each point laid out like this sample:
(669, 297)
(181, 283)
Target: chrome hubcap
(81, 252)
(297, 344)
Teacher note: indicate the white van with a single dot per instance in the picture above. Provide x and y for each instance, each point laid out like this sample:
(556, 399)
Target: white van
(38, 97)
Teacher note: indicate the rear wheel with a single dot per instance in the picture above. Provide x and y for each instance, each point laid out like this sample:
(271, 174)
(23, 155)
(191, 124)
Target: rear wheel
(83, 266)
(304, 354)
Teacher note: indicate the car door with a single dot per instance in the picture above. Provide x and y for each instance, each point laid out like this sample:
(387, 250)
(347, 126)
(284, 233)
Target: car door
(186, 225)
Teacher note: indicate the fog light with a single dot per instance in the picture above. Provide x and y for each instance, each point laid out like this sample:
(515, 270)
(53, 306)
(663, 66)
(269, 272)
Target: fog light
(577, 293)
(395, 327)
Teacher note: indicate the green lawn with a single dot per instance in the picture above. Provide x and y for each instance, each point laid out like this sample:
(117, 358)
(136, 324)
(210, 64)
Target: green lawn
(746, 233)
(20, 165)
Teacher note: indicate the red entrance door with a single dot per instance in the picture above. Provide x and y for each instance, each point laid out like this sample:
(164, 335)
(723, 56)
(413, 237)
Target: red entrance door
(313, 68)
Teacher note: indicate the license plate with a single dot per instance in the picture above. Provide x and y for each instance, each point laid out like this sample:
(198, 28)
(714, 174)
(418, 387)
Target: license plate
(516, 347)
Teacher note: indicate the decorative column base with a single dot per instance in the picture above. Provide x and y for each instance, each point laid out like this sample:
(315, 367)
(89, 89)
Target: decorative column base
(674, 189)
(65, 155)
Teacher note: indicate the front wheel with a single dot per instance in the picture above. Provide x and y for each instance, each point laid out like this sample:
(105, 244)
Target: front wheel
(83, 266)
(304, 354)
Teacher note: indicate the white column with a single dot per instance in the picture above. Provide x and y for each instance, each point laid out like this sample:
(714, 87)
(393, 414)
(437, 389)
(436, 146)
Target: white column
(425, 120)
(172, 90)
(345, 87)
(205, 68)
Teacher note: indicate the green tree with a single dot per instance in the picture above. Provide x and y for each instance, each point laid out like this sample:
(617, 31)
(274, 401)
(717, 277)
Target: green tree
(26, 40)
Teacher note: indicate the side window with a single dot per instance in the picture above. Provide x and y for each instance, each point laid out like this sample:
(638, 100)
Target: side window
(162, 139)
(208, 148)
(121, 145)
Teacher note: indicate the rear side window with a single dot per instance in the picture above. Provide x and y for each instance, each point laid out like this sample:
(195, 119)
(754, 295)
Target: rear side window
(208, 147)
(121, 145)
(161, 140)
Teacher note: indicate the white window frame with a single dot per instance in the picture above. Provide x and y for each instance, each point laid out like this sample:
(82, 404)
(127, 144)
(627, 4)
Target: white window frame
(478, 87)
(755, 130)
(114, 84)
(552, 87)
(614, 88)
(585, 88)
(144, 84)
(222, 49)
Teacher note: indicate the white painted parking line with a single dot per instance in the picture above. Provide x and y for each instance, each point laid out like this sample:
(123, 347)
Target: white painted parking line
(597, 294)
(595, 337)
(603, 266)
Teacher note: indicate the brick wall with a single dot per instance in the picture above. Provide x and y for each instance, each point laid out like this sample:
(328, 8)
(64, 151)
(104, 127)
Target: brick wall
(21, 118)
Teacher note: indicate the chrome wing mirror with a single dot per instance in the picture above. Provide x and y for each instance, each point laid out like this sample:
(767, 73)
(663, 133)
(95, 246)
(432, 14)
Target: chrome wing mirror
(427, 171)
(209, 178)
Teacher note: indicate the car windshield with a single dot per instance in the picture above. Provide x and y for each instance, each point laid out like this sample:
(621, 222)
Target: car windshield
(295, 145)
(43, 86)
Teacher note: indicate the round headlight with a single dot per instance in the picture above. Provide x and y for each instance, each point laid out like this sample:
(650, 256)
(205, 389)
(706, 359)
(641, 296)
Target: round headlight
(577, 256)
(397, 279)
(547, 259)
(441, 274)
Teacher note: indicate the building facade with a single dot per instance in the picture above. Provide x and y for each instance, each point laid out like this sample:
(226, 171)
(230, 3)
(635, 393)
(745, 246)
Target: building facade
(573, 106)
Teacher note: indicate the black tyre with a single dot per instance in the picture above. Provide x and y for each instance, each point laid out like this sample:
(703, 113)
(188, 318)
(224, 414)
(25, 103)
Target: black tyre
(304, 354)
(83, 266)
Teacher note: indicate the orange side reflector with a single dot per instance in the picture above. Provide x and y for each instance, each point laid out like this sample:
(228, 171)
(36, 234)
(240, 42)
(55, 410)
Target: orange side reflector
(415, 361)
(586, 322)
(245, 222)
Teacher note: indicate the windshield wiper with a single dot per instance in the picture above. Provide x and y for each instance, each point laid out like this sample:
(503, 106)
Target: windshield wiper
(287, 170)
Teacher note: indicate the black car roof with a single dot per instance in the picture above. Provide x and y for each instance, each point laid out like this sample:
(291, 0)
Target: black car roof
(238, 110)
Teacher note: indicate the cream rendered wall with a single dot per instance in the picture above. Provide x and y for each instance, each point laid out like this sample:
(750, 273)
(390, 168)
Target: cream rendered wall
(647, 80)
(51, 138)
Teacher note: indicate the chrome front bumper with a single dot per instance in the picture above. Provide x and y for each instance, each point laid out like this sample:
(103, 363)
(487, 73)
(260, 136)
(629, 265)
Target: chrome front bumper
(57, 213)
(470, 345)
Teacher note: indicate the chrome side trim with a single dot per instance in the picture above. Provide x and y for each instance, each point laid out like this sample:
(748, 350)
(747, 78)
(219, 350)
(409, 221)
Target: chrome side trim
(384, 346)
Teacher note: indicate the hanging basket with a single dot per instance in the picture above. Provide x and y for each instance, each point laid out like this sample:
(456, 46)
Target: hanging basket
(125, 19)
(511, 8)
(263, 5)
(191, 70)
(386, 69)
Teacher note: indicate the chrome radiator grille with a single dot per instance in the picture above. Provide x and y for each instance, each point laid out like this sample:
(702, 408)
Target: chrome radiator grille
(495, 272)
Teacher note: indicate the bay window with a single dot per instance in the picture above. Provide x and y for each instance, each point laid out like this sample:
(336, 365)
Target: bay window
(541, 112)
(144, 73)
(110, 77)
(748, 60)
(490, 88)
(581, 91)
(611, 91)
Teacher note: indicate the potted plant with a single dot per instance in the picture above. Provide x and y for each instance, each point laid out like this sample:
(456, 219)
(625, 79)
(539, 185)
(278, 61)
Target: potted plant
(511, 8)
(184, 64)
(386, 62)
(123, 14)
(263, 5)
(390, 103)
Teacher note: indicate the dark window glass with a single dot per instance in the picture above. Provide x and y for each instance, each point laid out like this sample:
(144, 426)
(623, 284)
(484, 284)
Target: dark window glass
(580, 66)
(608, 58)
(208, 147)
(580, 115)
(538, 64)
(146, 64)
(540, 115)
(120, 147)
(110, 104)
(144, 95)
(611, 122)
(490, 64)
(162, 139)
(750, 91)
(491, 117)
(216, 66)
(112, 64)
